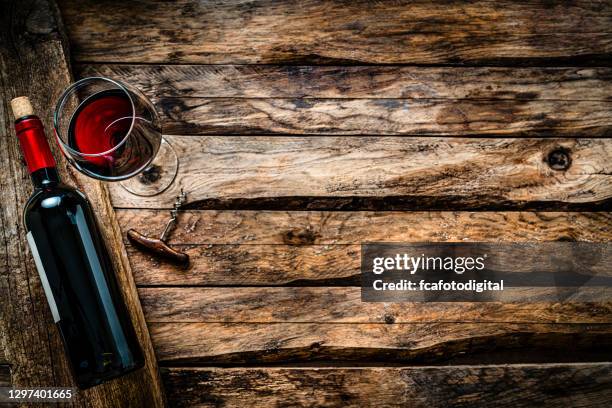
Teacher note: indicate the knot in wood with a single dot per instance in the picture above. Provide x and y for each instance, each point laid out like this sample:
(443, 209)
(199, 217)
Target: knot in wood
(150, 175)
(389, 319)
(559, 159)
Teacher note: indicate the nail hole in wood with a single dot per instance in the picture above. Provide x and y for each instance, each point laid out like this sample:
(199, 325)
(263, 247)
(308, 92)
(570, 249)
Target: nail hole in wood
(559, 159)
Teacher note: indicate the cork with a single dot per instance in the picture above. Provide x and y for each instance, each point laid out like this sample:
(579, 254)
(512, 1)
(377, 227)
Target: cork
(21, 107)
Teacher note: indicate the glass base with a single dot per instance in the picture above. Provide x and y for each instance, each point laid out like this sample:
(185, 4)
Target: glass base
(156, 178)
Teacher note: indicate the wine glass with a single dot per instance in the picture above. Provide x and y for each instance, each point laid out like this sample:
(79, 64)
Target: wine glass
(110, 131)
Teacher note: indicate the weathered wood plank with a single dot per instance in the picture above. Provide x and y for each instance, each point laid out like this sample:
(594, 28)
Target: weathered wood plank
(344, 305)
(353, 227)
(425, 117)
(178, 343)
(33, 63)
(260, 265)
(374, 100)
(316, 248)
(524, 385)
(315, 31)
(252, 265)
(384, 172)
(270, 81)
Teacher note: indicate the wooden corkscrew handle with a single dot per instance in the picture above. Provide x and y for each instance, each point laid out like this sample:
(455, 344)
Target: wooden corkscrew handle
(157, 247)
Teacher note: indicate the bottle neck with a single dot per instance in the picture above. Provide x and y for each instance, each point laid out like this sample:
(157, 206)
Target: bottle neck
(36, 151)
(45, 177)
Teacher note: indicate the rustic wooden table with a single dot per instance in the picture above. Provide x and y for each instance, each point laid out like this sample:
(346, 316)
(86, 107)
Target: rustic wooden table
(304, 128)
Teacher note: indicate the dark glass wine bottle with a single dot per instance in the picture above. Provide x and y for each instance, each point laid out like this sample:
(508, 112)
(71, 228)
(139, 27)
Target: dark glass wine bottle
(74, 266)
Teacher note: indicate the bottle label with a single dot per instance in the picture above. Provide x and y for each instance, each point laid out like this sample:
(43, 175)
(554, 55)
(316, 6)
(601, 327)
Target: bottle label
(43, 277)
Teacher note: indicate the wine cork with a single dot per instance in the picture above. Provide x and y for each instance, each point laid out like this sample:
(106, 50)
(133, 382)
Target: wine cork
(21, 107)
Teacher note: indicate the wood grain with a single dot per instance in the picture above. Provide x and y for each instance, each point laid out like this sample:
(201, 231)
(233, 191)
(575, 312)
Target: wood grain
(315, 31)
(344, 305)
(318, 248)
(424, 117)
(277, 265)
(374, 82)
(383, 172)
(204, 227)
(374, 100)
(239, 343)
(525, 385)
(33, 62)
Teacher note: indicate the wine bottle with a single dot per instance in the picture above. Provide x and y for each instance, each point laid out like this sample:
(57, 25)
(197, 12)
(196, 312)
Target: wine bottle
(74, 266)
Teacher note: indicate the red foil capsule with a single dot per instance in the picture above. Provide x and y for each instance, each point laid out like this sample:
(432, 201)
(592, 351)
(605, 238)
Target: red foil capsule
(36, 151)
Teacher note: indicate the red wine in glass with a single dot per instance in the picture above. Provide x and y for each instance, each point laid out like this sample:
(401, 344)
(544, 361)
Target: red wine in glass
(111, 141)
(110, 130)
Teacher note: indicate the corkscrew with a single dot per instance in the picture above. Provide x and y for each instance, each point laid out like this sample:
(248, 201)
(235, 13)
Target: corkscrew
(157, 246)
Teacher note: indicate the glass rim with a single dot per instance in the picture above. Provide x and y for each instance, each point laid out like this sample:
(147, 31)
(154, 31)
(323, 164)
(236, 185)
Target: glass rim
(61, 102)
